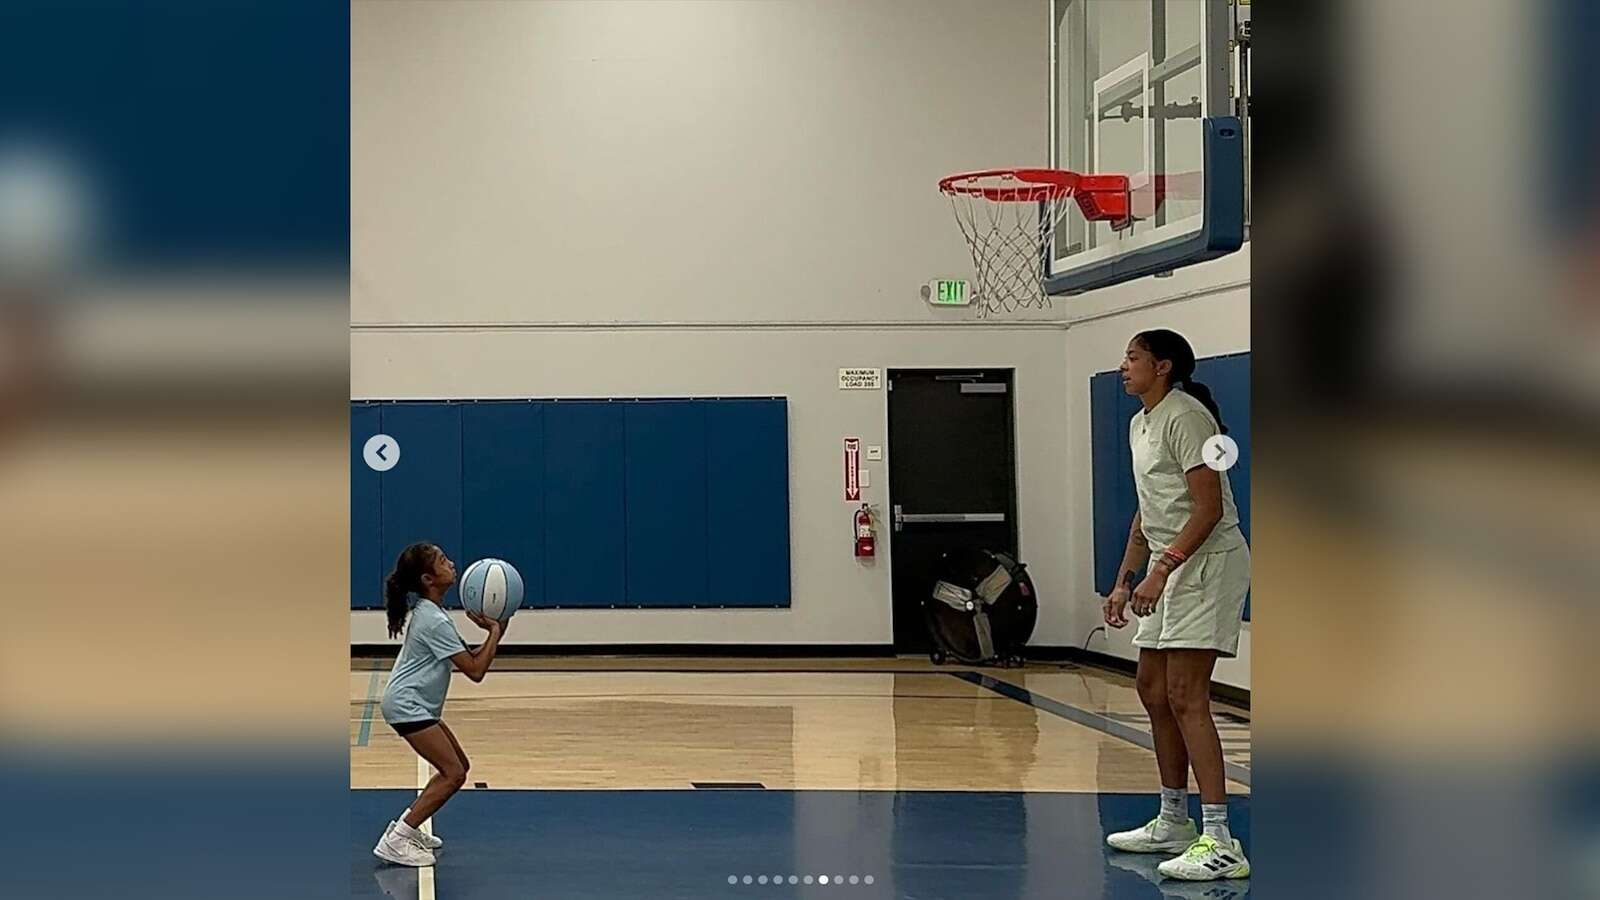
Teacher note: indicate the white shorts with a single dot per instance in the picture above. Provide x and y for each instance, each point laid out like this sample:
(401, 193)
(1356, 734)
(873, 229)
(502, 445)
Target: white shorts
(1203, 606)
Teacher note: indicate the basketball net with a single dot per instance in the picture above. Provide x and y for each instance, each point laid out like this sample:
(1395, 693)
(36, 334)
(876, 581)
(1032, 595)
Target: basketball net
(1009, 218)
(1008, 240)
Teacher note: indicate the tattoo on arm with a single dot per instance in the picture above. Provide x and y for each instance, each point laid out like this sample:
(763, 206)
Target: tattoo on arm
(1139, 539)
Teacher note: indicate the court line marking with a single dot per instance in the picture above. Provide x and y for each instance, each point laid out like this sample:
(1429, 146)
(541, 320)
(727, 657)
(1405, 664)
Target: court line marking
(425, 889)
(1100, 723)
(367, 710)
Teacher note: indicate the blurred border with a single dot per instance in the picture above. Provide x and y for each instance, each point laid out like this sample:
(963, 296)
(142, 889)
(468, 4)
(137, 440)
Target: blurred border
(1426, 227)
(174, 255)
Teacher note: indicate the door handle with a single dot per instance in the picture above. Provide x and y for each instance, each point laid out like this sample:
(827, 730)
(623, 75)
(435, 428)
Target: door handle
(934, 518)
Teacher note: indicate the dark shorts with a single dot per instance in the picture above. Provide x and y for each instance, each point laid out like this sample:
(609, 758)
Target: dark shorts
(405, 729)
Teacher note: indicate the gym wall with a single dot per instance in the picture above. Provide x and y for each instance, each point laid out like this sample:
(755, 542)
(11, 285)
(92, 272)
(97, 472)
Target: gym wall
(695, 200)
(728, 199)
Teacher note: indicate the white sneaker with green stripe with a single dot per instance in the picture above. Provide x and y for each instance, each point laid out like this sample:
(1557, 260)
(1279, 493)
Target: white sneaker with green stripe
(1208, 859)
(1157, 836)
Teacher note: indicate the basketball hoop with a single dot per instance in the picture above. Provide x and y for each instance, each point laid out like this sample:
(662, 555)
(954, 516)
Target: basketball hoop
(1009, 217)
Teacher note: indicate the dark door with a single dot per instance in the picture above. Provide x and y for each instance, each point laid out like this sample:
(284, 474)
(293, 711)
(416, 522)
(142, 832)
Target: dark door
(952, 480)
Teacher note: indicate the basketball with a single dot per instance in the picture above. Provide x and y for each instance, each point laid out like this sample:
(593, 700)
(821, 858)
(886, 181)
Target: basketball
(493, 588)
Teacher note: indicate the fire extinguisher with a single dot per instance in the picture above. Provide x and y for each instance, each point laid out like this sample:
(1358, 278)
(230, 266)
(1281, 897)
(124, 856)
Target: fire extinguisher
(866, 537)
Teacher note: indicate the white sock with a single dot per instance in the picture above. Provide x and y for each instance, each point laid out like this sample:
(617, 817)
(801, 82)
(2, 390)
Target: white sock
(404, 830)
(1214, 818)
(1175, 805)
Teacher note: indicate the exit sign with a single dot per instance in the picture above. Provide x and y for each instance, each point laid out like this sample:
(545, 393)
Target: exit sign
(949, 292)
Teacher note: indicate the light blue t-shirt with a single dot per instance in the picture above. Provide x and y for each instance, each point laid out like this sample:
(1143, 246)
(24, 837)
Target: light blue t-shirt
(421, 673)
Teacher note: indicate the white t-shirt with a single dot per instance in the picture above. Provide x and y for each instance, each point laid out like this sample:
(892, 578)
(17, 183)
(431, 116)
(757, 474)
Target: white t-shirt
(1166, 442)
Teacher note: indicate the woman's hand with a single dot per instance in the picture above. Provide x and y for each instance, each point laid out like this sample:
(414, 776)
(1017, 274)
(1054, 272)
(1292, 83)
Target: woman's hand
(1116, 606)
(483, 621)
(1148, 592)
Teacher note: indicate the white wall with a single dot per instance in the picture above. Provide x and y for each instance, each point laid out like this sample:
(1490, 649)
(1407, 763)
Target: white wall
(666, 161)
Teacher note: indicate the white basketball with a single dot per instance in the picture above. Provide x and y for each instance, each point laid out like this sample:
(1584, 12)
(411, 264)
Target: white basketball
(493, 588)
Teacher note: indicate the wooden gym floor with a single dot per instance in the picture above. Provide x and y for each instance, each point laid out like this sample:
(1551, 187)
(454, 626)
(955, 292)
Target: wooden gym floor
(1017, 771)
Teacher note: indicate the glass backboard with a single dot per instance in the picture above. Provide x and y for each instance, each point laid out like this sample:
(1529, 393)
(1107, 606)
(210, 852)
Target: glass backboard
(1143, 88)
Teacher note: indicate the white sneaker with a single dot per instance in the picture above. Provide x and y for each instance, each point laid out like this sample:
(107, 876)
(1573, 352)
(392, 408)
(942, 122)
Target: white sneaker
(402, 852)
(1207, 859)
(427, 840)
(1145, 865)
(1157, 836)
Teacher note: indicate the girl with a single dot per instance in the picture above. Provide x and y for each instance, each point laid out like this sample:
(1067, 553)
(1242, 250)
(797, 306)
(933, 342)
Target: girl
(1190, 602)
(414, 698)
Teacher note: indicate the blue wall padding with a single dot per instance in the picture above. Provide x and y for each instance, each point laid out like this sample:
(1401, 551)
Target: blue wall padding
(667, 551)
(502, 488)
(599, 504)
(1114, 499)
(1111, 409)
(585, 521)
(366, 554)
(748, 502)
(421, 496)
(1229, 380)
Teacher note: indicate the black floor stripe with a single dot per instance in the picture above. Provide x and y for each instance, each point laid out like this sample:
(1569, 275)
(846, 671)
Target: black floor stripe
(728, 785)
(704, 694)
(1098, 722)
(658, 670)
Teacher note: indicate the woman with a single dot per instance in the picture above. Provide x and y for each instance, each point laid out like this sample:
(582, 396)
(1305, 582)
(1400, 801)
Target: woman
(413, 701)
(1190, 602)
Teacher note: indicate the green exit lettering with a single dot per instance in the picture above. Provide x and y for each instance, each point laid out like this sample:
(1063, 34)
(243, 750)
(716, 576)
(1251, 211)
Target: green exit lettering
(951, 292)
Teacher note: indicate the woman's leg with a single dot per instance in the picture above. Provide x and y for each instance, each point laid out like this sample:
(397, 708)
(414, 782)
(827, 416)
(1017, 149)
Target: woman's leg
(437, 746)
(1171, 830)
(1189, 695)
(1189, 692)
(1171, 756)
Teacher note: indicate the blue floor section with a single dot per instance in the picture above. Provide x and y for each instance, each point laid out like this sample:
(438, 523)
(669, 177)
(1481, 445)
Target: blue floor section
(687, 844)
